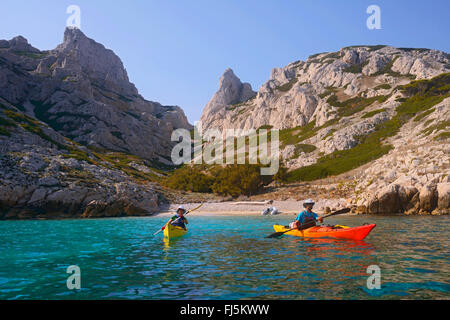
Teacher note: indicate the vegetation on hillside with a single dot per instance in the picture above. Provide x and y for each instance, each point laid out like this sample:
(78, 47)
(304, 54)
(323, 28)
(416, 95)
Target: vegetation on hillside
(353, 105)
(287, 86)
(370, 114)
(232, 180)
(421, 96)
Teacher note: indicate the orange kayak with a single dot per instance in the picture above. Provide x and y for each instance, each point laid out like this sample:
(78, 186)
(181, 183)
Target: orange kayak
(341, 232)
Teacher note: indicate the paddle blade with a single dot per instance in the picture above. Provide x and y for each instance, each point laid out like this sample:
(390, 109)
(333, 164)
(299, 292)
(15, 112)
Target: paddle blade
(276, 234)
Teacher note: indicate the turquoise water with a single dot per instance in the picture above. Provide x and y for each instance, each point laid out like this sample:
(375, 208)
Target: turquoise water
(222, 257)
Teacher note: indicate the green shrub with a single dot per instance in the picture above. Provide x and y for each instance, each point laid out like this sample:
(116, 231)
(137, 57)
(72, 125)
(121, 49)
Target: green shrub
(4, 132)
(372, 113)
(287, 86)
(333, 100)
(19, 117)
(385, 86)
(327, 92)
(443, 125)
(31, 54)
(266, 126)
(424, 114)
(38, 131)
(306, 148)
(190, 178)
(436, 86)
(7, 123)
(282, 175)
(353, 105)
(356, 68)
(297, 134)
(117, 134)
(235, 180)
(329, 134)
(442, 136)
(376, 47)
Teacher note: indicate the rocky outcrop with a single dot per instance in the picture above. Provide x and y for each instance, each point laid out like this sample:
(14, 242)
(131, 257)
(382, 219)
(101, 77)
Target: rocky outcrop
(231, 92)
(81, 90)
(76, 138)
(394, 198)
(417, 167)
(296, 94)
(333, 101)
(39, 180)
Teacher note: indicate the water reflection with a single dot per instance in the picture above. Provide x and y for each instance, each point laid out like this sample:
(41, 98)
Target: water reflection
(222, 258)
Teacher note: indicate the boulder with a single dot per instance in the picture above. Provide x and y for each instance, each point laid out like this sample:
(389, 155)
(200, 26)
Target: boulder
(443, 194)
(428, 198)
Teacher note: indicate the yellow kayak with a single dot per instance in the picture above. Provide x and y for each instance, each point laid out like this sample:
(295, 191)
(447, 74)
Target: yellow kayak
(171, 231)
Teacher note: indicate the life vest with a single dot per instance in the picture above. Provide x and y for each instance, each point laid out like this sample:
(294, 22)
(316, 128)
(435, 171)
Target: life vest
(308, 219)
(179, 222)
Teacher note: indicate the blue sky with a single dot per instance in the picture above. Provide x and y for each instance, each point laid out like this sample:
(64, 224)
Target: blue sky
(176, 51)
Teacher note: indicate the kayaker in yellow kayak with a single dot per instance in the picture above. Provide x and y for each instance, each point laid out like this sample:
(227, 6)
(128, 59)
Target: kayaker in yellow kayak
(179, 219)
(307, 216)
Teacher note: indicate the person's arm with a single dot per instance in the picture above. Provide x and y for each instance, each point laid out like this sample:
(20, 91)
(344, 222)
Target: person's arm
(185, 221)
(300, 217)
(317, 218)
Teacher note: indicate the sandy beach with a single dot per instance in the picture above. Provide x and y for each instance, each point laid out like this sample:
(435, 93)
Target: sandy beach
(285, 207)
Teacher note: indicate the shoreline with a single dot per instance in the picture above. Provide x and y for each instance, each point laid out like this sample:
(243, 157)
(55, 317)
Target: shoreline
(225, 208)
(285, 207)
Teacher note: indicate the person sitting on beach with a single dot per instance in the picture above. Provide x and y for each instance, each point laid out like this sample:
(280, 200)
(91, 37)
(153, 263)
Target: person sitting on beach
(306, 217)
(179, 220)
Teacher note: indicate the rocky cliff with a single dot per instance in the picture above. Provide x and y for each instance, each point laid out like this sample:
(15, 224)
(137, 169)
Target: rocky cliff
(76, 138)
(81, 90)
(379, 113)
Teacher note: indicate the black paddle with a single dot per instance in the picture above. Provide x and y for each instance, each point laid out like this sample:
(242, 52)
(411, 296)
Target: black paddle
(308, 225)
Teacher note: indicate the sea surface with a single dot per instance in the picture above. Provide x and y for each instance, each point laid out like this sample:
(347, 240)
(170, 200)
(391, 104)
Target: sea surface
(223, 257)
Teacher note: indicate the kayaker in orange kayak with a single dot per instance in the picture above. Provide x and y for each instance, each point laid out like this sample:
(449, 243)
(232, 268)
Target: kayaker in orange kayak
(179, 219)
(307, 216)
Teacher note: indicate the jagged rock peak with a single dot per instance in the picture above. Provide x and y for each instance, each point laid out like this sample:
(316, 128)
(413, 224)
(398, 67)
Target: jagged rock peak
(81, 90)
(229, 81)
(73, 33)
(231, 91)
(19, 43)
(95, 60)
(228, 78)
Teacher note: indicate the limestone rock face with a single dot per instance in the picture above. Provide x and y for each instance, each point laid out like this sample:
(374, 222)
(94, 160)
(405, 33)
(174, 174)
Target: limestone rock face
(231, 91)
(443, 193)
(296, 94)
(41, 181)
(79, 55)
(81, 90)
(344, 96)
(419, 163)
(428, 197)
(63, 113)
